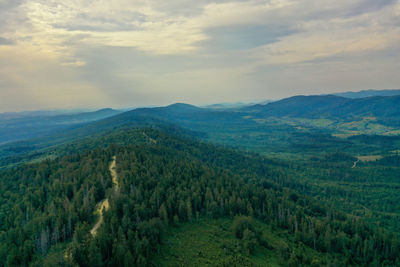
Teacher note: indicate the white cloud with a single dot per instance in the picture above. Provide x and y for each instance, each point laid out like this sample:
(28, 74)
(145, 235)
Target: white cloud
(338, 36)
(114, 23)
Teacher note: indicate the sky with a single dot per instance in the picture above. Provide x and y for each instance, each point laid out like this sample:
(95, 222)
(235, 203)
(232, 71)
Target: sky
(130, 53)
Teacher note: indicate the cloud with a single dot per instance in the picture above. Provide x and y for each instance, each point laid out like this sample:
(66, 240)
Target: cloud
(160, 28)
(369, 6)
(4, 41)
(139, 52)
(331, 37)
(245, 36)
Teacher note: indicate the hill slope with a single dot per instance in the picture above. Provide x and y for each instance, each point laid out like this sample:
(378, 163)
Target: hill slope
(330, 106)
(369, 93)
(164, 180)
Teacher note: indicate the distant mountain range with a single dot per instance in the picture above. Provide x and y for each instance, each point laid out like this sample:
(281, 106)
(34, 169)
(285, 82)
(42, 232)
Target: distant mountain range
(349, 94)
(369, 93)
(233, 105)
(385, 107)
(24, 125)
(271, 121)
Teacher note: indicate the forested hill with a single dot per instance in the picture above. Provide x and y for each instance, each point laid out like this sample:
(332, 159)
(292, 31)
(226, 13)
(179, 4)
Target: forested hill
(369, 93)
(330, 106)
(384, 111)
(274, 127)
(47, 208)
(178, 118)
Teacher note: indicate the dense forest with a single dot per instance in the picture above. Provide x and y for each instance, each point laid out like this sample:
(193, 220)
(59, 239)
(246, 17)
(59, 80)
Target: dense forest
(48, 208)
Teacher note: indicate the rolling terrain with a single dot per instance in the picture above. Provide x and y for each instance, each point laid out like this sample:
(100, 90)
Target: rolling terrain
(280, 184)
(176, 181)
(312, 124)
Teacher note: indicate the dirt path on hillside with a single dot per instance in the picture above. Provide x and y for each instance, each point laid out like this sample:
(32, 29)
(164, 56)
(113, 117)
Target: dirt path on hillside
(104, 204)
(113, 171)
(355, 163)
(151, 139)
(101, 206)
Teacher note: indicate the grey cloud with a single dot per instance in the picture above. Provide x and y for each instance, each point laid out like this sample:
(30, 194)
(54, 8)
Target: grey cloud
(391, 55)
(11, 17)
(369, 6)
(186, 7)
(97, 28)
(102, 59)
(86, 22)
(9, 4)
(349, 9)
(4, 41)
(246, 36)
(73, 40)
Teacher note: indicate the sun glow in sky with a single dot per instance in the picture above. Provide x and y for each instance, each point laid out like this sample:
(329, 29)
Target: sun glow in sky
(81, 53)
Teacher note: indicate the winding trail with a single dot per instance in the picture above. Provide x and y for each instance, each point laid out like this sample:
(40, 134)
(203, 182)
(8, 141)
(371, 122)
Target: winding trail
(113, 171)
(151, 139)
(355, 163)
(104, 204)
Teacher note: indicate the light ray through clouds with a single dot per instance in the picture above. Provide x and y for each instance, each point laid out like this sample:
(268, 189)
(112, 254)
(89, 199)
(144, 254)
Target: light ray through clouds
(87, 53)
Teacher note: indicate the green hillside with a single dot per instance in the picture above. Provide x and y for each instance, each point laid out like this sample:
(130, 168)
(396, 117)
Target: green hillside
(172, 189)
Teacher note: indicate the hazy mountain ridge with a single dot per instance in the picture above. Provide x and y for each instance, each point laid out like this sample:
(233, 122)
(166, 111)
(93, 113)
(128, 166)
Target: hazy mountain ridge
(268, 126)
(235, 105)
(34, 125)
(329, 106)
(369, 93)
